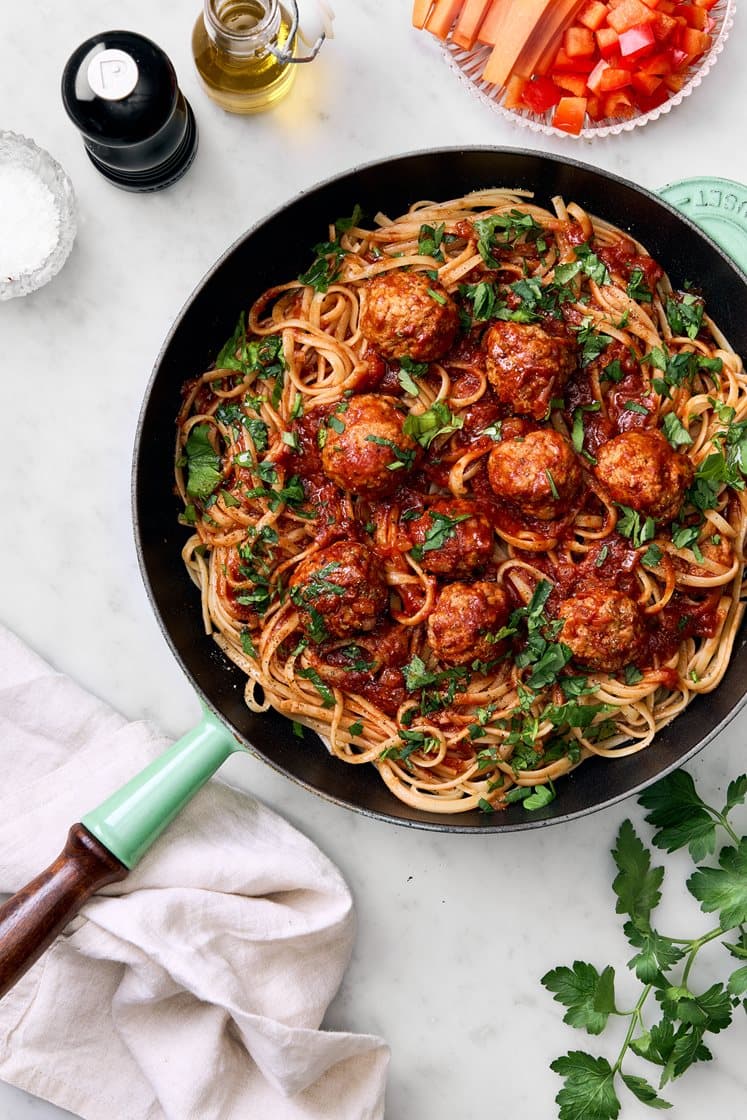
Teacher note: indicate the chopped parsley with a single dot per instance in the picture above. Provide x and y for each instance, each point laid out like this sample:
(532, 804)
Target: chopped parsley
(403, 457)
(425, 426)
(591, 341)
(685, 314)
(203, 464)
(441, 530)
(636, 288)
(675, 431)
(429, 241)
(328, 700)
(631, 525)
(513, 226)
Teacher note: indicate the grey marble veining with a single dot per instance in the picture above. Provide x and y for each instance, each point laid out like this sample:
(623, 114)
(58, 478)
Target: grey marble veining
(454, 932)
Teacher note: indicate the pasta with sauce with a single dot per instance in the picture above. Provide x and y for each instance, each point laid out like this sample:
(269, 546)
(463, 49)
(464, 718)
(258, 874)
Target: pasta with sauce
(467, 497)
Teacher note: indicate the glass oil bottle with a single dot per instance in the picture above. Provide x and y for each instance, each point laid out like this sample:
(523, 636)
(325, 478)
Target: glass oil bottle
(245, 52)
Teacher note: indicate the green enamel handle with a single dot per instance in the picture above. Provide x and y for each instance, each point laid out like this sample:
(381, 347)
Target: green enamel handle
(110, 841)
(130, 820)
(718, 207)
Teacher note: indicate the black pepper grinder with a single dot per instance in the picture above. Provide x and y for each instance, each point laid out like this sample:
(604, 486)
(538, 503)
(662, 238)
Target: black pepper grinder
(120, 90)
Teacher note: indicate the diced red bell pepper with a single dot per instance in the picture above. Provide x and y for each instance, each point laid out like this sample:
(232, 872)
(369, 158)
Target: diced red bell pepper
(579, 42)
(540, 94)
(653, 4)
(614, 78)
(563, 63)
(572, 83)
(657, 98)
(674, 82)
(594, 79)
(618, 104)
(678, 58)
(659, 64)
(593, 14)
(637, 42)
(569, 114)
(645, 83)
(629, 14)
(694, 15)
(667, 7)
(607, 41)
(663, 26)
(692, 41)
(707, 4)
(595, 108)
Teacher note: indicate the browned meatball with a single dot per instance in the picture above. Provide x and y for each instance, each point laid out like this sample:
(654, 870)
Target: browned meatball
(528, 366)
(603, 628)
(537, 472)
(338, 591)
(641, 470)
(451, 537)
(466, 615)
(372, 452)
(408, 315)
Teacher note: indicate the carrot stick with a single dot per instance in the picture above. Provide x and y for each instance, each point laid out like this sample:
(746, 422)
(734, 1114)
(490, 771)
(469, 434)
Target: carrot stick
(520, 18)
(420, 12)
(443, 15)
(468, 24)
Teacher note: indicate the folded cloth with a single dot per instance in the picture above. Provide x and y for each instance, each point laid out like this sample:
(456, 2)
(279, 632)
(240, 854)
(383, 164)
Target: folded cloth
(194, 989)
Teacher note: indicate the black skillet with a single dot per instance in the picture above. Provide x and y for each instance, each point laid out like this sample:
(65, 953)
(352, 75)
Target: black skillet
(279, 248)
(117, 833)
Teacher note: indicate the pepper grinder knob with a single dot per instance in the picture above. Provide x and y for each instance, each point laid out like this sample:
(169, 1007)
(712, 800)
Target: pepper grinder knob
(120, 90)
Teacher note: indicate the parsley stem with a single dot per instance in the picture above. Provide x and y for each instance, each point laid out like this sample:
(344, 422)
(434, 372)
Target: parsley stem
(725, 824)
(635, 1020)
(697, 945)
(712, 933)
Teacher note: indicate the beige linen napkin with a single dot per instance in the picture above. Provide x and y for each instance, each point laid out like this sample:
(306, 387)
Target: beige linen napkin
(194, 989)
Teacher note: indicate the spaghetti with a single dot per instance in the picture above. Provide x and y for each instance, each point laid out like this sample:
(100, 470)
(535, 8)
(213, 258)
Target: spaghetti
(468, 497)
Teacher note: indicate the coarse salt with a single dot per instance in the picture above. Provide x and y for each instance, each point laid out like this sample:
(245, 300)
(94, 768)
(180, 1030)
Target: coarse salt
(29, 221)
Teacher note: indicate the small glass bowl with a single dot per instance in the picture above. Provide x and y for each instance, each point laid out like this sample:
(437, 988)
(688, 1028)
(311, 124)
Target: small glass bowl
(468, 65)
(19, 151)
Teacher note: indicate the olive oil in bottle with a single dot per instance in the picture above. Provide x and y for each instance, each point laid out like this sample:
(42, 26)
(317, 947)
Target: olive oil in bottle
(243, 54)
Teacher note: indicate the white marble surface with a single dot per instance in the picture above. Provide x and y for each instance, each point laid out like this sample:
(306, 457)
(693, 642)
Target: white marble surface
(454, 931)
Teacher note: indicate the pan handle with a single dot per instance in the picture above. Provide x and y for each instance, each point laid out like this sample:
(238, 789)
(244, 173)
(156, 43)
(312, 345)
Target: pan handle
(718, 207)
(109, 842)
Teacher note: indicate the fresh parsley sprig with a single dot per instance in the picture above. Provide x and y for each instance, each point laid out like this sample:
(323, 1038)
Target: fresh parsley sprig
(685, 1013)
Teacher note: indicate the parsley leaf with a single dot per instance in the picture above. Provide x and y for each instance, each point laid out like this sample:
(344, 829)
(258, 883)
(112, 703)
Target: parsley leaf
(203, 464)
(637, 884)
(680, 816)
(588, 994)
(724, 888)
(589, 1090)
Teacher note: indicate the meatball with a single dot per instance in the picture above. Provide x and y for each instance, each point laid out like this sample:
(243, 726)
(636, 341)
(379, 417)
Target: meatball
(452, 537)
(603, 628)
(641, 470)
(465, 617)
(408, 315)
(372, 452)
(338, 591)
(527, 365)
(537, 472)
